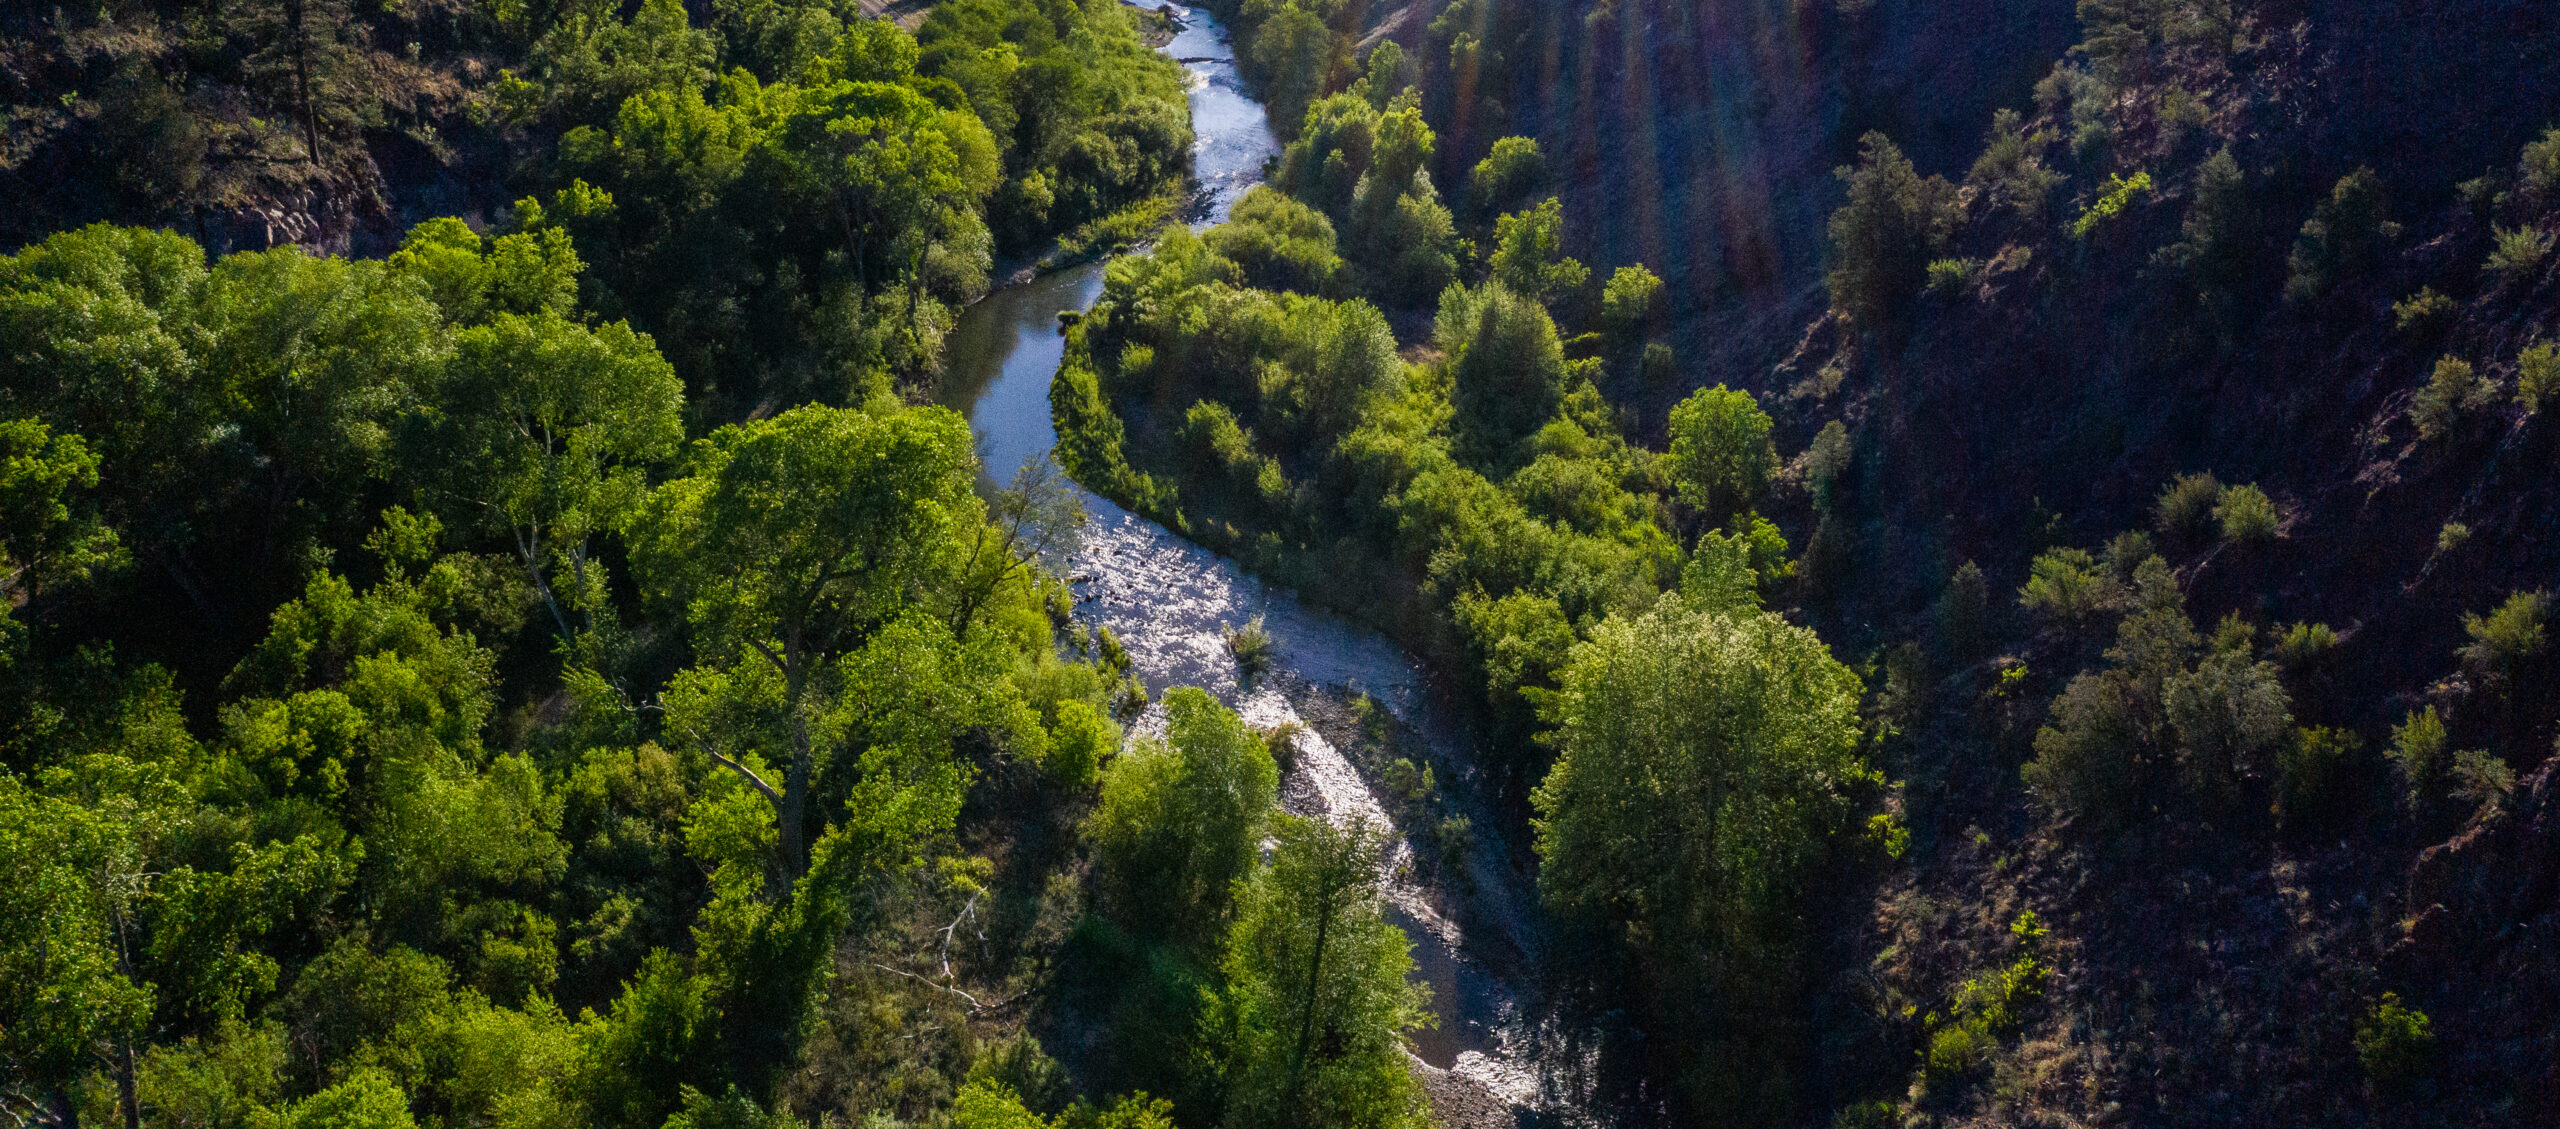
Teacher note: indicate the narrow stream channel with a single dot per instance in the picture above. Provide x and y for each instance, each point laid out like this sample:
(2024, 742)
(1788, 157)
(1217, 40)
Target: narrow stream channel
(1170, 602)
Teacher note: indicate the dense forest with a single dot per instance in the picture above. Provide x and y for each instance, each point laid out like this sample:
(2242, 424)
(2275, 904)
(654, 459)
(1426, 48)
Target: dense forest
(1996, 560)
(540, 666)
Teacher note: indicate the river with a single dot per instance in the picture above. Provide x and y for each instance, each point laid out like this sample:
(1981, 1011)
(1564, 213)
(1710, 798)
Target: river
(1171, 602)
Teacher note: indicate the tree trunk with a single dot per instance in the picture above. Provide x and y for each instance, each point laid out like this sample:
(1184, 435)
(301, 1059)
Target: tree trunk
(795, 785)
(296, 28)
(1315, 981)
(125, 1091)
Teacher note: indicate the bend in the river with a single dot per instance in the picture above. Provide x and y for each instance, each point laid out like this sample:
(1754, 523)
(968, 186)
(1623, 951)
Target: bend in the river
(1170, 602)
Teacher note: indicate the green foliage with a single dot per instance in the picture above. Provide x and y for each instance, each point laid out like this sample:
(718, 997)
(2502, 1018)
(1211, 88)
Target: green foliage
(2227, 712)
(2482, 779)
(1885, 235)
(2215, 238)
(1701, 758)
(1279, 243)
(2418, 749)
(1949, 278)
(2120, 193)
(2451, 391)
(1509, 173)
(1628, 301)
(1180, 819)
(1825, 461)
(2518, 254)
(2011, 170)
(1963, 612)
(1988, 1008)
(2065, 585)
(1366, 165)
(73, 880)
(1309, 1026)
(50, 531)
(1508, 366)
(2395, 1043)
(1078, 743)
(1721, 458)
(2247, 516)
(1528, 255)
(2452, 536)
(2187, 504)
(2537, 375)
(2311, 777)
(2425, 312)
(2304, 644)
(2118, 731)
(2505, 640)
(2343, 240)
(1252, 647)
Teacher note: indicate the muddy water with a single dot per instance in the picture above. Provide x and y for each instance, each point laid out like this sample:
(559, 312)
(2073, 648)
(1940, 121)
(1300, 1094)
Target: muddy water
(1171, 601)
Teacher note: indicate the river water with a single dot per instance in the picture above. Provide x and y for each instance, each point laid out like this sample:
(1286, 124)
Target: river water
(1171, 602)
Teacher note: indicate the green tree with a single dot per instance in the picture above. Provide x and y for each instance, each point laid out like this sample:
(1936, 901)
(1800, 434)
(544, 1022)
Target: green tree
(2214, 239)
(790, 542)
(69, 883)
(1503, 180)
(1316, 999)
(1528, 254)
(1627, 302)
(1509, 367)
(1885, 234)
(548, 432)
(1281, 244)
(1721, 458)
(50, 531)
(1702, 757)
(2344, 238)
(1181, 818)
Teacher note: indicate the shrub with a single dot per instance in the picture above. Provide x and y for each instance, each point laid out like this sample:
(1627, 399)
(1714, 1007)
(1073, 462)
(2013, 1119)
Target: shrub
(2453, 536)
(2227, 712)
(2216, 235)
(1181, 819)
(2111, 203)
(2417, 747)
(2538, 168)
(2304, 644)
(1949, 277)
(1077, 745)
(2454, 388)
(1252, 647)
(2537, 375)
(2395, 1044)
(1626, 303)
(2343, 238)
(2424, 312)
(1989, 1007)
(2482, 779)
(2009, 171)
(2064, 584)
(2247, 516)
(2310, 773)
(2518, 254)
(2186, 504)
(1528, 255)
(2506, 639)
